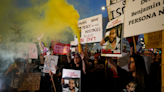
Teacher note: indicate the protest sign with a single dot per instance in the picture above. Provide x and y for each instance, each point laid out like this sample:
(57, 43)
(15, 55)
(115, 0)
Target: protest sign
(61, 49)
(71, 77)
(52, 62)
(33, 51)
(110, 2)
(91, 29)
(143, 16)
(115, 8)
(113, 38)
(23, 49)
(29, 81)
(153, 40)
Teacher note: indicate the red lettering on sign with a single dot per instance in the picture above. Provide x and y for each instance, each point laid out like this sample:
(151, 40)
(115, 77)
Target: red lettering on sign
(91, 39)
(82, 40)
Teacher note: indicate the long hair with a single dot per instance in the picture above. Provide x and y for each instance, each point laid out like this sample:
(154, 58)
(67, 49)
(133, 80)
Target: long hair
(141, 73)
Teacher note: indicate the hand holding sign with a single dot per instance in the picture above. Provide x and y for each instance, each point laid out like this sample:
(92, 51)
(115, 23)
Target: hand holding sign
(51, 62)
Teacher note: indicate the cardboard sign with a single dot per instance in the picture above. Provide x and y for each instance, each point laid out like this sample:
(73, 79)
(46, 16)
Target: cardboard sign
(91, 29)
(33, 51)
(113, 38)
(143, 16)
(29, 81)
(61, 49)
(115, 9)
(71, 77)
(52, 62)
(153, 40)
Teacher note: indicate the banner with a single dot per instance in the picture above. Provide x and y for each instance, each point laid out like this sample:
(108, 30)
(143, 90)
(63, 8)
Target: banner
(29, 81)
(112, 43)
(153, 40)
(52, 62)
(115, 9)
(143, 16)
(72, 80)
(91, 29)
(61, 49)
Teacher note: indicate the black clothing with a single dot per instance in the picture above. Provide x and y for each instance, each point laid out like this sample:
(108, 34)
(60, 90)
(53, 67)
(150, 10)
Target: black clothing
(125, 78)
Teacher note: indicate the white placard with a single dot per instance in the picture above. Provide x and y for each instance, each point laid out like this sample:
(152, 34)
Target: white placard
(72, 80)
(71, 73)
(143, 16)
(91, 29)
(113, 38)
(52, 62)
(115, 10)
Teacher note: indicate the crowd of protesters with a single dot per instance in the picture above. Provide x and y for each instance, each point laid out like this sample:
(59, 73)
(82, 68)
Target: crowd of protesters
(103, 74)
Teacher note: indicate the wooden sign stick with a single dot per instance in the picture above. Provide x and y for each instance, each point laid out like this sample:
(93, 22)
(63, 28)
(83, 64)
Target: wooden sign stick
(162, 64)
(51, 76)
(134, 42)
(50, 70)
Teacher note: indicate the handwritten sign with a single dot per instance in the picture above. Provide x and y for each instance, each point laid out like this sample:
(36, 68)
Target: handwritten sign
(115, 9)
(153, 40)
(61, 49)
(143, 16)
(29, 81)
(33, 51)
(52, 62)
(91, 29)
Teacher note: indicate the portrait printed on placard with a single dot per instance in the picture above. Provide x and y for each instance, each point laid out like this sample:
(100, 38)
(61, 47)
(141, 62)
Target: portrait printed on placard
(111, 44)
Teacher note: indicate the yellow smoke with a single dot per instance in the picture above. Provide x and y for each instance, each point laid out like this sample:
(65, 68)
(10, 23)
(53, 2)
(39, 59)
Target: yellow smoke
(51, 18)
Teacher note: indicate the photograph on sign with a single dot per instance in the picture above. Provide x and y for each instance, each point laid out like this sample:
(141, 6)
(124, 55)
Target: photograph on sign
(140, 15)
(52, 62)
(91, 29)
(112, 42)
(33, 53)
(72, 80)
(29, 81)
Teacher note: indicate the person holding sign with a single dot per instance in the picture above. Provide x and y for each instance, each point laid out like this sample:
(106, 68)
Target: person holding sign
(137, 73)
(112, 41)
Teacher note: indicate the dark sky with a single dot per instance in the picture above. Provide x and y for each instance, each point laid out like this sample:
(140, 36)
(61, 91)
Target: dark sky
(88, 8)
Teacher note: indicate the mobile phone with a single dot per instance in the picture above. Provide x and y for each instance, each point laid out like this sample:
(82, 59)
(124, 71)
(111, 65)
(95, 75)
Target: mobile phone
(106, 39)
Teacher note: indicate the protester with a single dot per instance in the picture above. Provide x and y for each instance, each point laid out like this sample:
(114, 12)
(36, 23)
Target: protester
(137, 73)
(155, 74)
(45, 84)
(79, 64)
(97, 74)
(16, 69)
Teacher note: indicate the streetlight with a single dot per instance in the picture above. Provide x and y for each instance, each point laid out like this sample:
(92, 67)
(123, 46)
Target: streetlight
(103, 8)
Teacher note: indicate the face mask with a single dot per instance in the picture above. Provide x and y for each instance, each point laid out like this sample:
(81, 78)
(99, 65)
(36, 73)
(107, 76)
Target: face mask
(147, 60)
